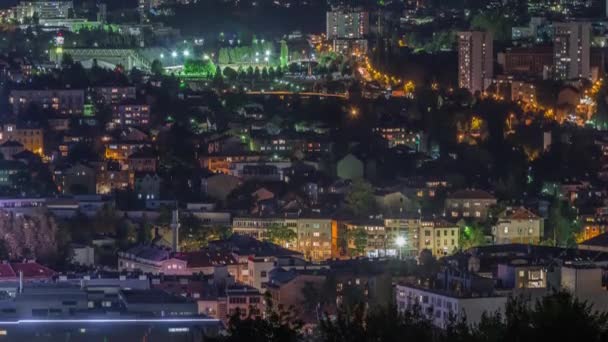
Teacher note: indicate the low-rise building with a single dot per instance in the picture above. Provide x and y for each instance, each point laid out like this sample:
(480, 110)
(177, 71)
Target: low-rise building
(439, 236)
(32, 138)
(441, 305)
(63, 101)
(518, 225)
(114, 95)
(469, 203)
(130, 114)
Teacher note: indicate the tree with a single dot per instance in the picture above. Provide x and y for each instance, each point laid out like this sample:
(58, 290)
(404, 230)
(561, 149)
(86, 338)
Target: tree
(360, 201)
(471, 235)
(562, 225)
(157, 68)
(284, 54)
(359, 240)
(230, 73)
(280, 234)
(30, 236)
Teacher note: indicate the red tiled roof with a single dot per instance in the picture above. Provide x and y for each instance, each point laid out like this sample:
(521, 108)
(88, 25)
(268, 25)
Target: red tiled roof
(6, 271)
(32, 270)
(520, 213)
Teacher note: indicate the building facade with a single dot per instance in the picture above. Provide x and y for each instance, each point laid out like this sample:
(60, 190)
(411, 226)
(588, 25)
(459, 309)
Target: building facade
(475, 60)
(571, 50)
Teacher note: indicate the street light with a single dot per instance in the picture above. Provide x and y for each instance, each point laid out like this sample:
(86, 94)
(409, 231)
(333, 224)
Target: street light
(162, 55)
(186, 53)
(174, 54)
(267, 52)
(400, 241)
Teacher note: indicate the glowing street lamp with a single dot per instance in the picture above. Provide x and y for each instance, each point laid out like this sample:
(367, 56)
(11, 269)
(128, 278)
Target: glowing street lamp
(400, 241)
(162, 55)
(174, 54)
(186, 53)
(267, 52)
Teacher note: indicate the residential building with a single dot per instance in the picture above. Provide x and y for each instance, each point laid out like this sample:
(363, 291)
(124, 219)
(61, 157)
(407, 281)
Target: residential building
(286, 288)
(475, 60)
(147, 186)
(343, 22)
(439, 236)
(223, 163)
(142, 161)
(527, 62)
(157, 260)
(518, 225)
(75, 179)
(44, 9)
(63, 101)
(31, 137)
(571, 50)
(469, 203)
(110, 177)
(10, 148)
(316, 238)
(130, 114)
(114, 95)
(400, 136)
(441, 305)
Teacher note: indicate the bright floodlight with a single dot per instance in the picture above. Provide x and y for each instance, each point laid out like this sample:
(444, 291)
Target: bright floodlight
(400, 241)
(267, 52)
(174, 54)
(186, 53)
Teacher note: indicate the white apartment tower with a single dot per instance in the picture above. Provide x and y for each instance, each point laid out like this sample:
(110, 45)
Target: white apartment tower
(350, 23)
(571, 50)
(475, 59)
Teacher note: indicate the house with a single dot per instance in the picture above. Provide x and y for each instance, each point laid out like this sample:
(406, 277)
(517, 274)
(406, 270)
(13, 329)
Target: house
(143, 160)
(10, 148)
(8, 169)
(31, 137)
(439, 236)
(147, 186)
(350, 167)
(157, 260)
(469, 203)
(83, 255)
(518, 225)
(77, 179)
(111, 177)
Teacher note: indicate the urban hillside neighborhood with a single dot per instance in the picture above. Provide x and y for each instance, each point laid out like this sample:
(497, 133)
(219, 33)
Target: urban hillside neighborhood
(295, 170)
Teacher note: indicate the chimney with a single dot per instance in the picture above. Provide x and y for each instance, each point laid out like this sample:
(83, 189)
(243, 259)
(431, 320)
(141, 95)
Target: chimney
(175, 228)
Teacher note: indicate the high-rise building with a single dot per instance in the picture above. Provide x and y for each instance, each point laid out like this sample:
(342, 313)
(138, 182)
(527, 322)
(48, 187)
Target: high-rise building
(571, 50)
(475, 60)
(345, 22)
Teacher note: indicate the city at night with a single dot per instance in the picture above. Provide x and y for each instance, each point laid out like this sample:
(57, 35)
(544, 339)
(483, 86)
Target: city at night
(303, 170)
